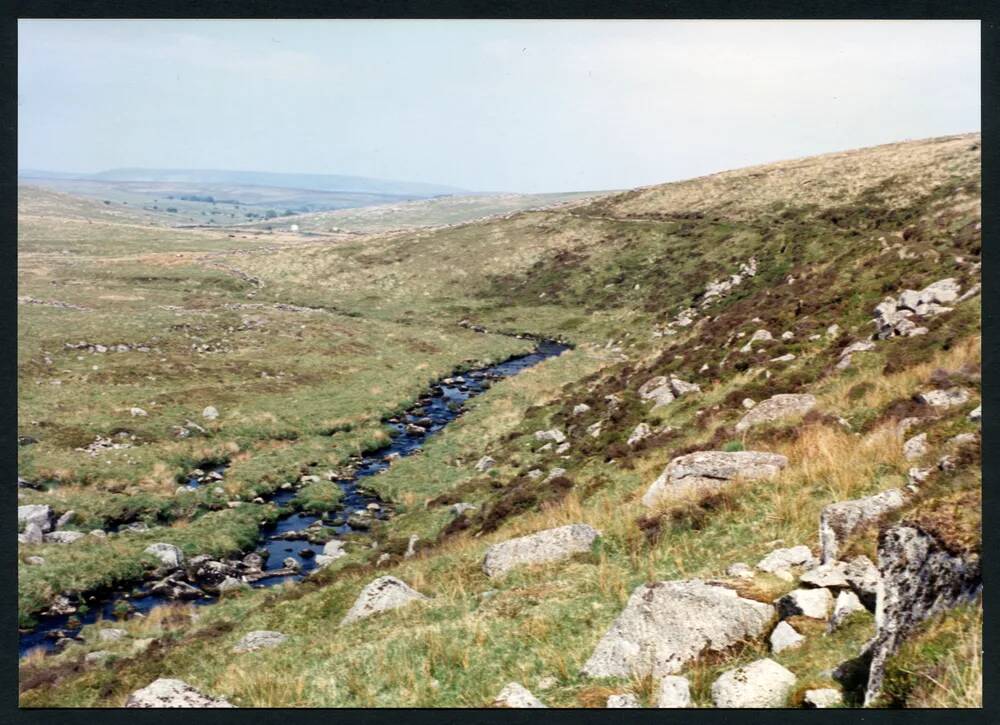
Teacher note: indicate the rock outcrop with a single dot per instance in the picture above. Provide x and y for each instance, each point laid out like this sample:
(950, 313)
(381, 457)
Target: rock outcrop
(920, 577)
(776, 408)
(839, 520)
(712, 469)
(382, 594)
(166, 692)
(667, 624)
(545, 546)
(763, 683)
(892, 315)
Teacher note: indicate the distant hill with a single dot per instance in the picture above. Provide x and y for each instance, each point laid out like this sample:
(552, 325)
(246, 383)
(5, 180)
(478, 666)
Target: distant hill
(314, 182)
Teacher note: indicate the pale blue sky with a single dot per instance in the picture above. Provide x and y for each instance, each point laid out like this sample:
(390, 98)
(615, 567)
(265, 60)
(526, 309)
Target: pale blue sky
(485, 105)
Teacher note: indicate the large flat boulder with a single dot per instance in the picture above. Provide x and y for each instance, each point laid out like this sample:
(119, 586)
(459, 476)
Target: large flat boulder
(712, 469)
(667, 624)
(839, 520)
(545, 546)
(381, 595)
(776, 408)
(166, 692)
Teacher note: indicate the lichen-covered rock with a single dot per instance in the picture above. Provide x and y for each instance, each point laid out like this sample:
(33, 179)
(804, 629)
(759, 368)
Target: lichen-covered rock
(545, 546)
(709, 469)
(763, 683)
(776, 408)
(813, 603)
(674, 691)
(785, 637)
(168, 554)
(847, 604)
(259, 639)
(781, 559)
(515, 695)
(38, 514)
(382, 594)
(944, 398)
(864, 579)
(626, 700)
(666, 624)
(916, 447)
(920, 577)
(484, 464)
(839, 520)
(166, 692)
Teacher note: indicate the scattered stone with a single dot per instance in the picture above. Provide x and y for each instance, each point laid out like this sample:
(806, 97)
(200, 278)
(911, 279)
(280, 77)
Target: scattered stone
(381, 595)
(457, 509)
(763, 683)
(822, 698)
(137, 412)
(712, 469)
(515, 695)
(787, 335)
(839, 521)
(172, 693)
(785, 637)
(38, 514)
(830, 575)
(547, 682)
(847, 604)
(168, 554)
(580, 408)
(748, 403)
(484, 464)
(944, 398)
(594, 429)
(916, 447)
(775, 408)
(780, 559)
(626, 700)
(740, 570)
(34, 560)
(833, 330)
(554, 434)
(97, 656)
(64, 537)
(534, 474)
(554, 473)
(641, 432)
(920, 577)
(812, 603)
(32, 534)
(977, 413)
(787, 357)
(758, 336)
(411, 546)
(674, 692)
(864, 579)
(667, 624)
(543, 547)
(260, 639)
(210, 413)
(111, 634)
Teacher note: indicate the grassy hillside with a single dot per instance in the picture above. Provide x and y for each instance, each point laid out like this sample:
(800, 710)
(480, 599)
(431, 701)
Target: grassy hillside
(627, 277)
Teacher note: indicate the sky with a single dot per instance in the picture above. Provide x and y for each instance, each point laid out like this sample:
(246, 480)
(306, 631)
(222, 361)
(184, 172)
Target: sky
(521, 106)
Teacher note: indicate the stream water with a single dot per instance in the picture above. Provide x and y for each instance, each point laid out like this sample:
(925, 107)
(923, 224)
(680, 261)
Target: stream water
(438, 407)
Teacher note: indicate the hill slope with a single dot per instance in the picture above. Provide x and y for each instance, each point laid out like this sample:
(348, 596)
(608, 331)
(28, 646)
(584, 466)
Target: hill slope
(750, 284)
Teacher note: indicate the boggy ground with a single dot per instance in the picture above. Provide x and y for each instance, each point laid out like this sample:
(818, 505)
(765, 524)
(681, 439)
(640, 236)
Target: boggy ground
(830, 238)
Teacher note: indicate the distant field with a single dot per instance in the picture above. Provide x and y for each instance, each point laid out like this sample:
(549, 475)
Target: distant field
(428, 212)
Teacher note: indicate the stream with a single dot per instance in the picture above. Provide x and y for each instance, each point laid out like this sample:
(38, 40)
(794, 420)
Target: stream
(437, 408)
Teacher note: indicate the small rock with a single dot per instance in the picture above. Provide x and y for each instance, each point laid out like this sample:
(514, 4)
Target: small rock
(847, 604)
(777, 408)
(260, 639)
(555, 435)
(381, 595)
(547, 682)
(64, 537)
(484, 464)
(740, 570)
(977, 413)
(822, 698)
(748, 403)
(172, 693)
(763, 683)
(626, 700)
(98, 656)
(674, 692)
(916, 447)
(137, 412)
(168, 554)
(39, 514)
(785, 637)
(111, 634)
(826, 575)
(864, 578)
(812, 603)
(515, 695)
(461, 507)
(210, 413)
(543, 547)
(944, 398)
(580, 408)
(640, 432)
(786, 558)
